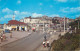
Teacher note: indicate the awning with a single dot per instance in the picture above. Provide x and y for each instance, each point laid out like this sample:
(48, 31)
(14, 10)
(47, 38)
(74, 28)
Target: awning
(13, 26)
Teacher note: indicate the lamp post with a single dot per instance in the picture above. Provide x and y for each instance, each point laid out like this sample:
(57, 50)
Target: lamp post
(78, 24)
(75, 29)
(64, 24)
(60, 27)
(67, 25)
(43, 27)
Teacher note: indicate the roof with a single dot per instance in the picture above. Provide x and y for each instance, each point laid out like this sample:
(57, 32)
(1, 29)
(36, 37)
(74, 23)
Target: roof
(15, 22)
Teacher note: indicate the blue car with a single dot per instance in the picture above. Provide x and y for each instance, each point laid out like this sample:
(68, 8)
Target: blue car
(7, 31)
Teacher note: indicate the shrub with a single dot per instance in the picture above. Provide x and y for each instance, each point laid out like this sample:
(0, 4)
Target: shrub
(68, 42)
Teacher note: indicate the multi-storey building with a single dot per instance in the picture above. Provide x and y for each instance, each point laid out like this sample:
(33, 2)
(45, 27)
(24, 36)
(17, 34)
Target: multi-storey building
(38, 21)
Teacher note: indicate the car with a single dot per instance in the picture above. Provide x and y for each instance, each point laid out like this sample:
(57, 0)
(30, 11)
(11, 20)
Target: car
(7, 31)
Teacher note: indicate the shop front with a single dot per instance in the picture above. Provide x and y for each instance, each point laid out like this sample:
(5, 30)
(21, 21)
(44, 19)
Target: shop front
(13, 28)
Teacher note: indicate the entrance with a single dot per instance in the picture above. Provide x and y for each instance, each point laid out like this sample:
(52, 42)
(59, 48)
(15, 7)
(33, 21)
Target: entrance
(23, 28)
(18, 28)
(13, 28)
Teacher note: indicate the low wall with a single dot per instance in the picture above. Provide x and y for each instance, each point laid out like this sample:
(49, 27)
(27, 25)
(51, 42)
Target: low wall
(1, 30)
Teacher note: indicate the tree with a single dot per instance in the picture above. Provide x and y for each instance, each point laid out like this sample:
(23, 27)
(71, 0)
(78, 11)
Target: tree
(55, 21)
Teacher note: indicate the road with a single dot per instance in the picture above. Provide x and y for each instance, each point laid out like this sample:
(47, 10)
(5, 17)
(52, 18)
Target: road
(29, 43)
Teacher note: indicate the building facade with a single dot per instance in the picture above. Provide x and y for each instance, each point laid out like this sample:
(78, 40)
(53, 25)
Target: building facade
(38, 21)
(15, 25)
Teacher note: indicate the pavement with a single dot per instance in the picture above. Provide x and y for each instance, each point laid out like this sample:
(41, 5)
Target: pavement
(16, 35)
(53, 37)
(29, 43)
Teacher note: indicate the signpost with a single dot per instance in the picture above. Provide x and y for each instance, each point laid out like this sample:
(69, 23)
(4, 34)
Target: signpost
(43, 27)
(64, 24)
(78, 24)
(75, 29)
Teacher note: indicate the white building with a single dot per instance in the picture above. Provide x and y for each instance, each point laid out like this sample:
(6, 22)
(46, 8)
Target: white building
(15, 25)
(38, 21)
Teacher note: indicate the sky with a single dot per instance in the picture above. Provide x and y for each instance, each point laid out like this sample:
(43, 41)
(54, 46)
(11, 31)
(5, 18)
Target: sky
(38, 8)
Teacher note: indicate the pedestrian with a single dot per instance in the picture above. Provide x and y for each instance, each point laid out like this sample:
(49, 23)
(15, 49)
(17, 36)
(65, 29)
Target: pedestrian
(3, 32)
(44, 44)
(28, 30)
(1, 39)
(47, 44)
(4, 37)
(45, 37)
(11, 35)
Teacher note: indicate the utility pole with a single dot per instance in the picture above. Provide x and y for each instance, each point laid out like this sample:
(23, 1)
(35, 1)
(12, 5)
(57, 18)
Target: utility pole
(64, 24)
(78, 24)
(60, 25)
(43, 27)
(75, 29)
(67, 24)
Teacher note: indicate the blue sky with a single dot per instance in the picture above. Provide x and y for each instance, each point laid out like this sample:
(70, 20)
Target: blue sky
(34, 8)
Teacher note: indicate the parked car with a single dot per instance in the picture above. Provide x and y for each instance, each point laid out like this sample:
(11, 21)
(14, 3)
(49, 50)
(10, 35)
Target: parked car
(7, 31)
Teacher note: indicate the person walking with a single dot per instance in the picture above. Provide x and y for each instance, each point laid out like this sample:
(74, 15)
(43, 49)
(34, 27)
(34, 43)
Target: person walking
(45, 37)
(4, 37)
(1, 39)
(11, 35)
(44, 44)
(47, 44)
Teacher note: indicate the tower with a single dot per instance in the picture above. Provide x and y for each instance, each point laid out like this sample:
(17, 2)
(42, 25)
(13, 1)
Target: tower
(13, 17)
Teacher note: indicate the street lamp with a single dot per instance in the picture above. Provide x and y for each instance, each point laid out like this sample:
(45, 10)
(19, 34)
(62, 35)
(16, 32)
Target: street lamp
(78, 24)
(67, 24)
(43, 27)
(64, 24)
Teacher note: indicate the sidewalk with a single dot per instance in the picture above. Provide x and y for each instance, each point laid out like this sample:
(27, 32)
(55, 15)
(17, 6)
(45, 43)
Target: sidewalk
(51, 39)
(16, 35)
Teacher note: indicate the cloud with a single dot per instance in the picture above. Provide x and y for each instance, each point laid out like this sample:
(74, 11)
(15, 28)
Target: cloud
(66, 0)
(74, 0)
(7, 10)
(16, 12)
(36, 15)
(19, 1)
(40, 4)
(25, 13)
(21, 13)
(77, 15)
(61, 0)
(51, 6)
(67, 9)
(8, 16)
(55, 15)
(1, 19)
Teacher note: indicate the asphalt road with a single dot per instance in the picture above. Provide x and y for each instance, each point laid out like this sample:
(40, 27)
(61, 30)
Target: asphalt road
(29, 43)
